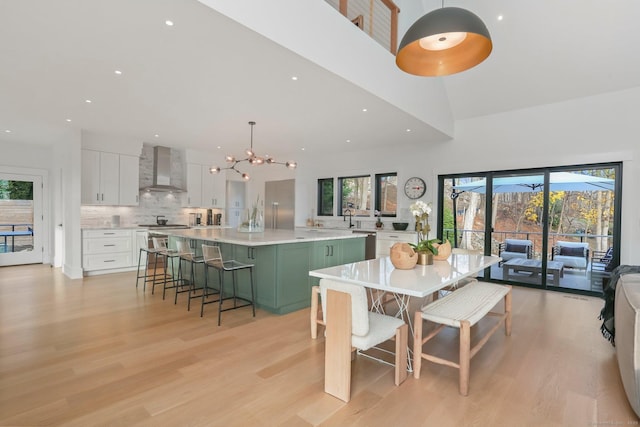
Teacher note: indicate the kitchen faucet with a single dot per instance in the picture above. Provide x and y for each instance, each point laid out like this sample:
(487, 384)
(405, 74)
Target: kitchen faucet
(344, 216)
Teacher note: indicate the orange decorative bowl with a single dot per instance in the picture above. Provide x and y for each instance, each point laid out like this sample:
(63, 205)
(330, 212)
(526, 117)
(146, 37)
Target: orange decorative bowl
(403, 257)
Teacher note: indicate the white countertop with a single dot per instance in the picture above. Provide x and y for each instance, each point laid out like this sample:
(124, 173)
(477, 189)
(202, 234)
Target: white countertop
(358, 230)
(420, 281)
(267, 237)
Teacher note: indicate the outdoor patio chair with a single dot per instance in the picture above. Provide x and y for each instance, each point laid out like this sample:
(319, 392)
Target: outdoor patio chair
(602, 261)
(515, 248)
(571, 254)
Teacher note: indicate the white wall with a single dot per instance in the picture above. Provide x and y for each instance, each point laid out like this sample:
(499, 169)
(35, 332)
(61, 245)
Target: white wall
(589, 130)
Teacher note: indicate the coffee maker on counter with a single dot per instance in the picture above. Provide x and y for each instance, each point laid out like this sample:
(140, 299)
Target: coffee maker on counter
(217, 219)
(209, 217)
(195, 219)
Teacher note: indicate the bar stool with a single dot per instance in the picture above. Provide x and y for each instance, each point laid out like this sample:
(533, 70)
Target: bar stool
(186, 254)
(213, 258)
(169, 255)
(143, 244)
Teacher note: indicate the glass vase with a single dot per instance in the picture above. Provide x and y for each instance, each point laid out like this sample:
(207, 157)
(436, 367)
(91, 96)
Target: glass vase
(252, 221)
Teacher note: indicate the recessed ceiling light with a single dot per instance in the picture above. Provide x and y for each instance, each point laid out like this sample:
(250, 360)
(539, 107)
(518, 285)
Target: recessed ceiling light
(169, 23)
(408, 130)
(219, 147)
(348, 140)
(364, 110)
(88, 101)
(156, 135)
(294, 78)
(118, 72)
(7, 131)
(68, 120)
(302, 148)
(500, 17)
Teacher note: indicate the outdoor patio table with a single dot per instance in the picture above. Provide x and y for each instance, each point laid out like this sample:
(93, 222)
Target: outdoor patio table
(534, 266)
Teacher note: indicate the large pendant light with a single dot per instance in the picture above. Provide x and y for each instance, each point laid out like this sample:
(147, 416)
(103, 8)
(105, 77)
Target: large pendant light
(445, 41)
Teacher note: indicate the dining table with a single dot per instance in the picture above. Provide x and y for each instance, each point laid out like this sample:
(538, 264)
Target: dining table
(381, 278)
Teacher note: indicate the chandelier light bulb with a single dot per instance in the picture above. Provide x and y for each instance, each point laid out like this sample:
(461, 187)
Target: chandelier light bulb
(249, 152)
(214, 169)
(245, 176)
(230, 159)
(291, 165)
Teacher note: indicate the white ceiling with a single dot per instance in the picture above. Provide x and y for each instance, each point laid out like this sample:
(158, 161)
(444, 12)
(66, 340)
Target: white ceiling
(198, 83)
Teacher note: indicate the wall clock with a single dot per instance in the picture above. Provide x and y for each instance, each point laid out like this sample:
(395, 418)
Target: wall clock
(415, 188)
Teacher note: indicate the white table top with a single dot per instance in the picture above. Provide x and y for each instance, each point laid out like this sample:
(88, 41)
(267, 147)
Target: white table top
(420, 281)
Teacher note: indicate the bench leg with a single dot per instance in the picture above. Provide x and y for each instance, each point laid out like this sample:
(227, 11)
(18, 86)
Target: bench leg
(465, 356)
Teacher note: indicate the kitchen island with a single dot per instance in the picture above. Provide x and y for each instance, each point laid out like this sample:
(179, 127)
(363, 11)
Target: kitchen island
(282, 260)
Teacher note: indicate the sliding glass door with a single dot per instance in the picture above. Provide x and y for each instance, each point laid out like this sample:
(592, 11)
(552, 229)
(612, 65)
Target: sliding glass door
(553, 227)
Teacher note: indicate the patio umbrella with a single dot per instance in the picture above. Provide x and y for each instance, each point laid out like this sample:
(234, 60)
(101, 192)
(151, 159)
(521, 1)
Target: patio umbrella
(558, 181)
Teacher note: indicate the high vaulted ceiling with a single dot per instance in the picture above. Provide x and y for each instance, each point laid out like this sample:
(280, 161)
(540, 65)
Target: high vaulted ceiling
(196, 84)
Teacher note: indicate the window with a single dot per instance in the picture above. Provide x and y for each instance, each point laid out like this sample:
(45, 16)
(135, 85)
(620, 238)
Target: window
(325, 197)
(387, 194)
(355, 195)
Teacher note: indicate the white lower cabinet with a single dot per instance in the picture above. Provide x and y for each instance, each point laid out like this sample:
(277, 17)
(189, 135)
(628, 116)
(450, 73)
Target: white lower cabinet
(386, 239)
(104, 250)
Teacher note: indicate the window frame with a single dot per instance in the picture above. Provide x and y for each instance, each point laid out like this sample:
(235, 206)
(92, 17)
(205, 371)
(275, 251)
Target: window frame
(341, 197)
(378, 192)
(319, 201)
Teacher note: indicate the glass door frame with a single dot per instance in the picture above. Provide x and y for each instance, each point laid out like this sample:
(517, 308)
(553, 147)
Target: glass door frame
(36, 255)
(546, 171)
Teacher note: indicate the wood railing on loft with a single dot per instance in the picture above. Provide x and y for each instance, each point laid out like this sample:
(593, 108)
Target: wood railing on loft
(378, 18)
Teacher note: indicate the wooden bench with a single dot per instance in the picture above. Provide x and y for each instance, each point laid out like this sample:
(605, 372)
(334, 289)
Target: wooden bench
(461, 309)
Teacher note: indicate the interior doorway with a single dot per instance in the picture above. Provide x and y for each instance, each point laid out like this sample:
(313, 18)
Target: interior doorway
(21, 219)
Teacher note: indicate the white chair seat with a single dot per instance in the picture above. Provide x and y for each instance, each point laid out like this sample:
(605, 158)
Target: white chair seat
(381, 329)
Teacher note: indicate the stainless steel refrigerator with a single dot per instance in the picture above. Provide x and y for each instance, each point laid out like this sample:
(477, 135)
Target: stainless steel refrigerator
(279, 205)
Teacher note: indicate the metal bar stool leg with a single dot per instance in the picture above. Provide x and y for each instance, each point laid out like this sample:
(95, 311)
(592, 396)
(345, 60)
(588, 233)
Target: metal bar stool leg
(155, 272)
(221, 275)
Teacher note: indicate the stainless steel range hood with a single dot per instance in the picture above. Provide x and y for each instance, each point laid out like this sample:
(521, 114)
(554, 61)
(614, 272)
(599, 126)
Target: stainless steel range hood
(162, 172)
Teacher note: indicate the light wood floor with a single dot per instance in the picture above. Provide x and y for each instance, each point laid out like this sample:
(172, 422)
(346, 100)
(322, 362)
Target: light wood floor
(99, 352)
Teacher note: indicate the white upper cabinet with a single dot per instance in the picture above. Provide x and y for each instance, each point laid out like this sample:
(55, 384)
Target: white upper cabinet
(100, 178)
(129, 180)
(109, 179)
(193, 197)
(213, 189)
(204, 190)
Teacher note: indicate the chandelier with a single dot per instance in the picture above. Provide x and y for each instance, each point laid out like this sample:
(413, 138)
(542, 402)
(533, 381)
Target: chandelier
(252, 158)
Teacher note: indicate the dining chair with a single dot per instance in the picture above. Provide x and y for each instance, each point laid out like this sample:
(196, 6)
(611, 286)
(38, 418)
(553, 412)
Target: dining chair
(350, 325)
(213, 258)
